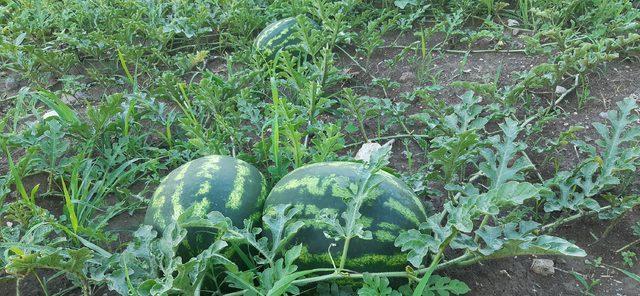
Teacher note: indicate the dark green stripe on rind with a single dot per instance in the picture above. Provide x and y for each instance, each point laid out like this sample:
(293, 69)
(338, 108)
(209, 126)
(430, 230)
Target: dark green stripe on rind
(324, 186)
(213, 183)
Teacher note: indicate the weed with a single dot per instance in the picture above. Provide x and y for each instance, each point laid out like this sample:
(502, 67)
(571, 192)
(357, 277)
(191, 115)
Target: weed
(587, 284)
(629, 258)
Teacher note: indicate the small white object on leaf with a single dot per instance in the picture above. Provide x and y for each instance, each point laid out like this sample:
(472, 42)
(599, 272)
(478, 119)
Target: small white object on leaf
(367, 149)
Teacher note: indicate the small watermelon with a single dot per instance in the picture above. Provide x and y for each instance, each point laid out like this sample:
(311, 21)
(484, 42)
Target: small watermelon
(277, 36)
(317, 187)
(212, 183)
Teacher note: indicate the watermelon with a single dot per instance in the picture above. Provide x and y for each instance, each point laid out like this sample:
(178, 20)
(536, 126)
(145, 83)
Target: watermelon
(212, 183)
(279, 35)
(312, 188)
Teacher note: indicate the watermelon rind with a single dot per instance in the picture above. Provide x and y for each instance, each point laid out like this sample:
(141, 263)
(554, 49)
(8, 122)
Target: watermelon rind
(321, 187)
(212, 183)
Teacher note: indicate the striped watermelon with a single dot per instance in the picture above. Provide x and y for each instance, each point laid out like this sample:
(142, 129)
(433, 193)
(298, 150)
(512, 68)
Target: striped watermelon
(319, 186)
(212, 183)
(277, 36)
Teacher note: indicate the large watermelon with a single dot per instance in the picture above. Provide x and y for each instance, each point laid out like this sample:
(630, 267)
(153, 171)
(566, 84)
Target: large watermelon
(212, 183)
(321, 186)
(277, 36)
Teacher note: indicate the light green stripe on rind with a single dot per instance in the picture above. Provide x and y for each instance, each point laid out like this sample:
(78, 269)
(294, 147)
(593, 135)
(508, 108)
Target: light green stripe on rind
(404, 211)
(313, 185)
(201, 208)
(280, 38)
(182, 171)
(354, 262)
(263, 191)
(157, 201)
(388, 226)
(384, 236)
(210, 166)
(235, 198)
(269, 29)
(204, 189)
(402, 187)
(255, 217)
(175, 202)
(177, 194)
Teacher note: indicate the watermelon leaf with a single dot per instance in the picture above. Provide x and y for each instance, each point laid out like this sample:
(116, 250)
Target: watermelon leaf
(190, 275)
(243, 280)
(376, 286)
(501, 164)
(403, 3)
(576, 189)
(420, 244)
(138, 269)
(287, 273)
(442, 285)
(333, 289)
(280, 227)
(515, 239)
(513, 193)
(623, 129)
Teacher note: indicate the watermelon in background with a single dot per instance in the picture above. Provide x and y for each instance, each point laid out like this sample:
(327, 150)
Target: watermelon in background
(212, 183)
(279, 35)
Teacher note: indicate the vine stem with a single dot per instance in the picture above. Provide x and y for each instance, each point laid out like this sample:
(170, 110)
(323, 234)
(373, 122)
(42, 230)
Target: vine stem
(363, 190)
(458, 261)
(461, 261)
(434, 264)
(343, 257)
(552, 226)
(459, 51)
(629, 245)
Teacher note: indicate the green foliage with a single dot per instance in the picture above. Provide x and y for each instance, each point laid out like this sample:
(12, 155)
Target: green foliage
(603, 167)
(501, 163)
(442, 285)
(376, 286)
(460, 143)
(586, 284)
(132, 89)
(629, 258)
